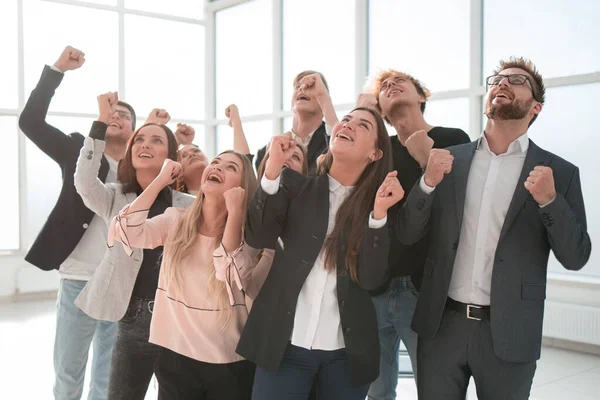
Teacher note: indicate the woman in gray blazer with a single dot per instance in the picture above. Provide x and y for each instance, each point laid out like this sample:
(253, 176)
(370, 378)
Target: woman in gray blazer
(123, 288)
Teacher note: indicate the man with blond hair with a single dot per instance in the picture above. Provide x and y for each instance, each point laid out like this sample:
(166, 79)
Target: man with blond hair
(402, 99)
(504, 204)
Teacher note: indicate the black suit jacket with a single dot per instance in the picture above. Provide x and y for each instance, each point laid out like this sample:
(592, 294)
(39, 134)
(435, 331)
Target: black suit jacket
(298, 213)
(70, 217)
(318, 145)
(528, 234)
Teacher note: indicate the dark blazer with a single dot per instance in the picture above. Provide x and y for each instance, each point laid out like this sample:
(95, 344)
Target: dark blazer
(318, 144)
(529, 233)
(70, 217)
(298, 213)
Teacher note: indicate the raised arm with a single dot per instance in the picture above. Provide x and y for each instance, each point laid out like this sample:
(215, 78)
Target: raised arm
(240, 143)
(32, 120)
(95, 194)
(314, 85)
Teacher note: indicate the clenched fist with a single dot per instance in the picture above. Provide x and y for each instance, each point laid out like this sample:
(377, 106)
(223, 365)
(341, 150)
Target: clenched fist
(439, 164)
(233, 114)
(280, 149)
(169, 173)
(107, 104)
(313, 85)
(158, 116)
(234, 199)
(367, 100)
(184, 134)
(419, 144)
(389, 193)
(70, 59)
(540, 183)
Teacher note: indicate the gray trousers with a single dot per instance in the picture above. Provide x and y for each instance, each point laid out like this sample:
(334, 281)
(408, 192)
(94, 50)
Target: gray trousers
(463, 348)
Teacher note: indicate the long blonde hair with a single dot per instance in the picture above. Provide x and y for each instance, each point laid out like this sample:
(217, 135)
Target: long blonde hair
(182, 240)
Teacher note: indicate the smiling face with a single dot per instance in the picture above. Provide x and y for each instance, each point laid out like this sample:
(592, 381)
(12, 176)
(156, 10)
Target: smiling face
(397, 90)
(511, 102)
(120, 127)
(150, 148)
(355, 138)
(223, 173)
(193, 161)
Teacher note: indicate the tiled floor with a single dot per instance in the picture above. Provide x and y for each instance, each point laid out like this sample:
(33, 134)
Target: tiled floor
(26, 372)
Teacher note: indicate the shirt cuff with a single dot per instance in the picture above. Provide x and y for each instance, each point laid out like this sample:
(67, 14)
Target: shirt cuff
(328, 129)
(270, 186)
(53, 67)
(548, 203)
(424, 187)
(376, 223)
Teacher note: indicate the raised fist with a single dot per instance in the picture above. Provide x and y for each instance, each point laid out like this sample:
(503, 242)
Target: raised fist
(70, 59)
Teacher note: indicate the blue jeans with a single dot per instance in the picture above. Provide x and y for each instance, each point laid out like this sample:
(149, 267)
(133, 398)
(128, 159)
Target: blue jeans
(75, 331)
(299, 369)
(395, 309)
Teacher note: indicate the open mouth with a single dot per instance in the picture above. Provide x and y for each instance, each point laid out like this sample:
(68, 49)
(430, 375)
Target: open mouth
(212, 177)
(502, 95)
(145, 155)
(115, 125)
(393, 92)
(303, 97)
(343, 136)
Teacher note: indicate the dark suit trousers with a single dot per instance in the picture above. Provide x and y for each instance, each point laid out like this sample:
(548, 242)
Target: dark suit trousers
(463, 348)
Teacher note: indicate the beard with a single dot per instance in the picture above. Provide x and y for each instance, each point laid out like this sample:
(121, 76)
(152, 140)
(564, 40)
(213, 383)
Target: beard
(517, 109)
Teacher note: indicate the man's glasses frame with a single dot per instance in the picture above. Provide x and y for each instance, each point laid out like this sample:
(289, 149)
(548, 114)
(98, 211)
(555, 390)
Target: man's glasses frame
(513, 79)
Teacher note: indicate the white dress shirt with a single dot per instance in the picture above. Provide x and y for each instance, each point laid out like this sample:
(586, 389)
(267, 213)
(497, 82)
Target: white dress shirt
(306, 141)
(317, 323)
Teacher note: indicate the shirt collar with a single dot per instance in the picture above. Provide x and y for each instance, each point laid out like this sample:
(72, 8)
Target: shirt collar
(335, 186)
(301, 140)
(519, 145)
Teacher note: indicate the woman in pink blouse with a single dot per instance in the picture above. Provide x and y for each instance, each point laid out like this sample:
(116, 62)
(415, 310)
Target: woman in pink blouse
(200, 307)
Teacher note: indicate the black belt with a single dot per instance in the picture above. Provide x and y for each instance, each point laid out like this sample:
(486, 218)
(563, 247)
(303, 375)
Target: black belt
(471, 311)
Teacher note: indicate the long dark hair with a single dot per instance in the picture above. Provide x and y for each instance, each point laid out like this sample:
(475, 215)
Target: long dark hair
(350, 220)
(126, 173)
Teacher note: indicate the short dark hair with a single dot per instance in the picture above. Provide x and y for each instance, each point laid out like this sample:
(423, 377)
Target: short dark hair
(131, 110)
(126, 172)
(539, 90)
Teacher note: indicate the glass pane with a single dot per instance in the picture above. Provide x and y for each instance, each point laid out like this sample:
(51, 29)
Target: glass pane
(182, 8)
(545, 32)
(102, 2)
(427, 39)
(49, 27)
(44, 176)
(305, 47)
(9, 180)
(562, 128)
(164, 67)
(451, 113)
(8, 49)
(244, 65)
(258, 134)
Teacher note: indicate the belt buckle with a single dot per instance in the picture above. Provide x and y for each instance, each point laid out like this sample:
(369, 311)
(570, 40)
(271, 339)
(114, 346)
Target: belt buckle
(469, 307)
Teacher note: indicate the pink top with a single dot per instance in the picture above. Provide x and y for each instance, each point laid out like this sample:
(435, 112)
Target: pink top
(185, 319)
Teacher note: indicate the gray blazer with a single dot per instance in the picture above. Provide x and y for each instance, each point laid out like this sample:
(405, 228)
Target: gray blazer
(529, 233)
(106, 296)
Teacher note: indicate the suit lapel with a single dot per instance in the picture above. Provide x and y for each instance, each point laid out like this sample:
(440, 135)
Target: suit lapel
(463, 157)
(315, 145)
(535, 156)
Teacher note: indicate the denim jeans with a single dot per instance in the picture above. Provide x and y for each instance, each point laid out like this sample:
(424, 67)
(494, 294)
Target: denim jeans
(134, 358)
(75, 332)
(395, 309)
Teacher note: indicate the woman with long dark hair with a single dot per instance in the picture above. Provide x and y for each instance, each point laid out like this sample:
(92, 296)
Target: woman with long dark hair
(313, 320)
(123, 288)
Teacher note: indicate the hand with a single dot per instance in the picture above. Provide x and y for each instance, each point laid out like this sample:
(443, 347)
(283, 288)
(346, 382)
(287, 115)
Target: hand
(540, 183)
(233, 114)
(70, 59)
(169, 173)
(184, 134)
(107, 105)
(439, 164)
(367, 100)
(280, 149)
(389, 193)
(234, 200)
(158, 116)
(419, 144)
(313, 85)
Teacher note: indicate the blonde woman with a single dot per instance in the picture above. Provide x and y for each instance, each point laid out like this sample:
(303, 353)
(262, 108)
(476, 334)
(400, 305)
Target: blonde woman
(200, 307)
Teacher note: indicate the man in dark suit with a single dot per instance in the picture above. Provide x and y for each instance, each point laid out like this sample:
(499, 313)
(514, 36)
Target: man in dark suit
(504, 204)
(310, 104)
(73, 239)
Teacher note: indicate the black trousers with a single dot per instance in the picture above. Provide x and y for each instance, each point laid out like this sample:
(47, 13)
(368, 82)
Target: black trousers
(133, 359)
(463, 348)
(183, 378)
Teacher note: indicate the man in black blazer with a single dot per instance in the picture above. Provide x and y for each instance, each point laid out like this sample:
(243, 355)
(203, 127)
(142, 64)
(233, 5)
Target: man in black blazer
(73, 239)
(504, 204)
(310, 104)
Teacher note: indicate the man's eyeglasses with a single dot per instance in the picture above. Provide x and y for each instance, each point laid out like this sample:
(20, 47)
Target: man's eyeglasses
(513, 79)
(124, 114)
